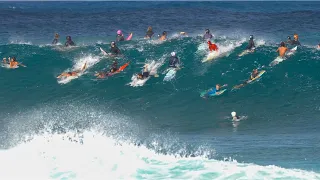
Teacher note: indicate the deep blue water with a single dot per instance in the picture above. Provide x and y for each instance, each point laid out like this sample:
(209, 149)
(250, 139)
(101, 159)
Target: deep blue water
(281, 125)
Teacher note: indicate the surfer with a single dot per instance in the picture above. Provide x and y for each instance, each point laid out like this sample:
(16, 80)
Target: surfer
(13, 62)
(164, 36)
(207, 35)
(318, 46)
(174, 60)
(215, 90)
(212, 47)
(183, 34)
(234, 116)
(289, 41)
(145, 73)
(114, 49)
(69, 42)
(73, 73)
(120, 36)
(149, 33)
(4, 60)
(56, 38)
(114, 67)
(295, 40)
(253, 75)
(251, 45)
(282, 50)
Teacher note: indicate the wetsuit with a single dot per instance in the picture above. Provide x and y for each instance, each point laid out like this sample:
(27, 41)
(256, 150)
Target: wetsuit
(120, 37)
(149, 34)
(55, 41)
(295, 42)
(114, 67)
(115, 50)
(207, 36)
(173, 61)
(145, 74)
(69, 43)
(250, 45)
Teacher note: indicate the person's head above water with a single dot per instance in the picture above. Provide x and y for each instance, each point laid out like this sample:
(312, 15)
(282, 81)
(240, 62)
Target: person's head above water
(68, 38)
(255, 71)
(207, 31)
(119, 32)
(233, 114)
(56, 36)
(295, 36)
(113, 44)
(282, 44)
(164, 33)
(217, 86)
(251, 37)
(289, 38)
(149, 28)
(209, 42)
(173, 54)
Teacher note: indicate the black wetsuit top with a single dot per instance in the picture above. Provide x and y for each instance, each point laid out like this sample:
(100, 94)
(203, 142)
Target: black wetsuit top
(115, 50)
(149, 34)
(173, 61)
(120, 38)
(251, 44)
(55, 41)
(69, 43)
(295, 42)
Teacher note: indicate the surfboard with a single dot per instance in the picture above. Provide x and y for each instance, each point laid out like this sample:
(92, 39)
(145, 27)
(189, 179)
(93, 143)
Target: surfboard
(129, 37)
(171, 73)
(212, 55)
(103, 52)
(102, 75)
(257, 77)
(280, 59)
(245, 52)
(249, 81)
(204, 93)
(8, 66)
(152, 68)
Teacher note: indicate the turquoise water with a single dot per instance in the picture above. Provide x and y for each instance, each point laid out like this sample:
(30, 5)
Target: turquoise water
(94, 129)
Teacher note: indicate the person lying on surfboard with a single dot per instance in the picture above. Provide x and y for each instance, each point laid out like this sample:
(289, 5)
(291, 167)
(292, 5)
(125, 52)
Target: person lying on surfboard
(114, 50)
(120, 36)
(56, 39)
(282, 49)
(149, 33)
(164, 36)
(174, 61)
(254, 74)
(69, 42)
(215, 90)
(251, 45)
(73, 73)
(13, 63)
(145, 73)
(212, 47)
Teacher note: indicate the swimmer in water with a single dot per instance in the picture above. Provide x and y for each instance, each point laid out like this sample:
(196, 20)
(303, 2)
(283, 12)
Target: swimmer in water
(234, 116)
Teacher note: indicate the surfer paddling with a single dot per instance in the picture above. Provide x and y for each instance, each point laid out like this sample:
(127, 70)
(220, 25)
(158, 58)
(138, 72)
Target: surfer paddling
(13, 63)
(282, 50)
(73, 73)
